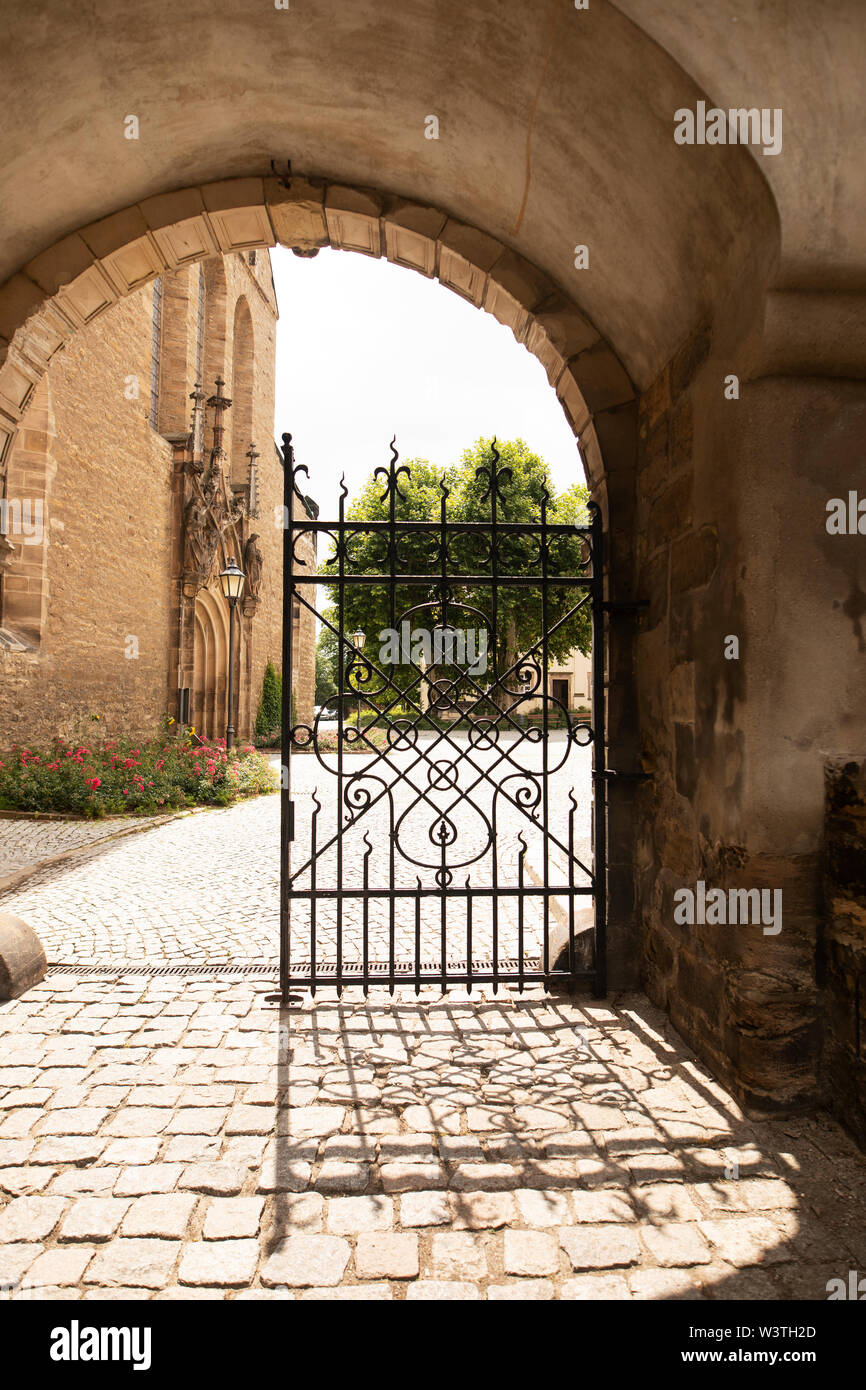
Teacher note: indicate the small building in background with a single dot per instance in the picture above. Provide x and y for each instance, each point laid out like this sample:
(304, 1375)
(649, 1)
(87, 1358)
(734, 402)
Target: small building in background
(569, 683)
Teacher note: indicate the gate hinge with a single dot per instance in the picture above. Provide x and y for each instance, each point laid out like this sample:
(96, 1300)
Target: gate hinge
(625, 605)
(610, 775)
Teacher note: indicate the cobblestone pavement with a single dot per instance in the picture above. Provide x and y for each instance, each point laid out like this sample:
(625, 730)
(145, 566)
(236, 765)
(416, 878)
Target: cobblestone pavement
(166, 1138)
(204, 888)
(24, 842)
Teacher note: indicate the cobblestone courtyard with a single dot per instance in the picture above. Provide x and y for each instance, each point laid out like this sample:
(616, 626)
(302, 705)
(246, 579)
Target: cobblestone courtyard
(183, 1136)
(205, 888)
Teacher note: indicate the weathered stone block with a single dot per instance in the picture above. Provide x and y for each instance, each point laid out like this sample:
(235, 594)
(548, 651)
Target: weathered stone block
(19, 298)
(671, 513)
(654, 459)
(694, 559)
(474, 246)
(22, 958)
(567, 329)
(686, 761)
(603, 379)
(61, 263)
(655, 402)
(701, 986)
(681, 436)
(690, 357)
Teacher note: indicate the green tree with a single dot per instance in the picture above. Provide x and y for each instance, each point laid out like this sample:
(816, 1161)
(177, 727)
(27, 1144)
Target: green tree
(521, 484)
(327, 665)
(524, 482)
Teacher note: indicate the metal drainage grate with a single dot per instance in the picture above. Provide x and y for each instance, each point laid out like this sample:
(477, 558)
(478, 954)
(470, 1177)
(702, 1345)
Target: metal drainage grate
(125, 967)
(326, 970)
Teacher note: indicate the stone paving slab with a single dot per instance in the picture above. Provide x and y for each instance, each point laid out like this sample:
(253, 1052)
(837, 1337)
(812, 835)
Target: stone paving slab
(439, 1148)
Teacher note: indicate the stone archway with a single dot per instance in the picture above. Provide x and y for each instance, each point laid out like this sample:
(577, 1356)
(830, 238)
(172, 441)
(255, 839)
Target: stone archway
(242, 214)
(707, 264)
(591, 382)
(593, 387)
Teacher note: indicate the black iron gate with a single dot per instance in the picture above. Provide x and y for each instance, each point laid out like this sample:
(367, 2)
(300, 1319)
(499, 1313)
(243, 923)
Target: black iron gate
(467, 844)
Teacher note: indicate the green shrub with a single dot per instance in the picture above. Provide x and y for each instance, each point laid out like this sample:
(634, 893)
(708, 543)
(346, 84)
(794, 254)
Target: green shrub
(269, 717)
(118, 776)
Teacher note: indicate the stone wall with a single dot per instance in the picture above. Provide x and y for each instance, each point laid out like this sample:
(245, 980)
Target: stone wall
(843, 945)
(108, 521)
(96, 602)
(732, 544)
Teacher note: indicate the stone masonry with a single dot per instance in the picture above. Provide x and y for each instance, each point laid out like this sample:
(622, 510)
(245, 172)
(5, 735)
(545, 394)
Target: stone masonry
(105, 572)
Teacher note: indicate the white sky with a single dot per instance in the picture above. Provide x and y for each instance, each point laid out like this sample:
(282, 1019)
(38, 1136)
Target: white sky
(366, 349)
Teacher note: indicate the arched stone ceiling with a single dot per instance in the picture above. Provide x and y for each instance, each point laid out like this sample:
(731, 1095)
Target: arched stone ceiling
(556, 129)
(808, 58)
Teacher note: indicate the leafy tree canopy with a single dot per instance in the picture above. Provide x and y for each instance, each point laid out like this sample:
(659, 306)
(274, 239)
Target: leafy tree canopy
(519, 619)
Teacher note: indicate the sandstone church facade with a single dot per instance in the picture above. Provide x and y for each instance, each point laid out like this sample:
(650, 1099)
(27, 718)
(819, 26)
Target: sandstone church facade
(135, 475)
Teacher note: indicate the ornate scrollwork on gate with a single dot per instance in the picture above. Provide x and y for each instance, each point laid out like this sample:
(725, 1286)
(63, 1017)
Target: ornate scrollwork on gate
(458, 802)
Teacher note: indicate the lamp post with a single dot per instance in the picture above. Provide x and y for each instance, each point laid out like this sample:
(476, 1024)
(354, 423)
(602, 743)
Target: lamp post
(232, 580)
(359, 638)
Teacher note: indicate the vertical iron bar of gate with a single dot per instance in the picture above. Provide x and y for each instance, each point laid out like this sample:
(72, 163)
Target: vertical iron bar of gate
(545, 721)
(392, 597)
(443, 620)
(497, 692)
(599, 784)
(287, 828)
(346, 664)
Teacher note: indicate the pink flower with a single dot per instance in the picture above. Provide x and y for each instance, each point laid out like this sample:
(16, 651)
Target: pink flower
(93, 783)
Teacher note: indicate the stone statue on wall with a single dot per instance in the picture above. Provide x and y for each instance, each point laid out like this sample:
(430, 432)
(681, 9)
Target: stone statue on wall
(253, 562)
(7, 552)
(200, 540)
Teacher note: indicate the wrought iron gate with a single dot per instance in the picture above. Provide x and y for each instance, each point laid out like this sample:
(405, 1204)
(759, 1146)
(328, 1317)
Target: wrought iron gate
(468, 845)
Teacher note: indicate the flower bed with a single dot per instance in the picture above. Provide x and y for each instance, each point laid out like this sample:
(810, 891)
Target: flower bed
(116, 776)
